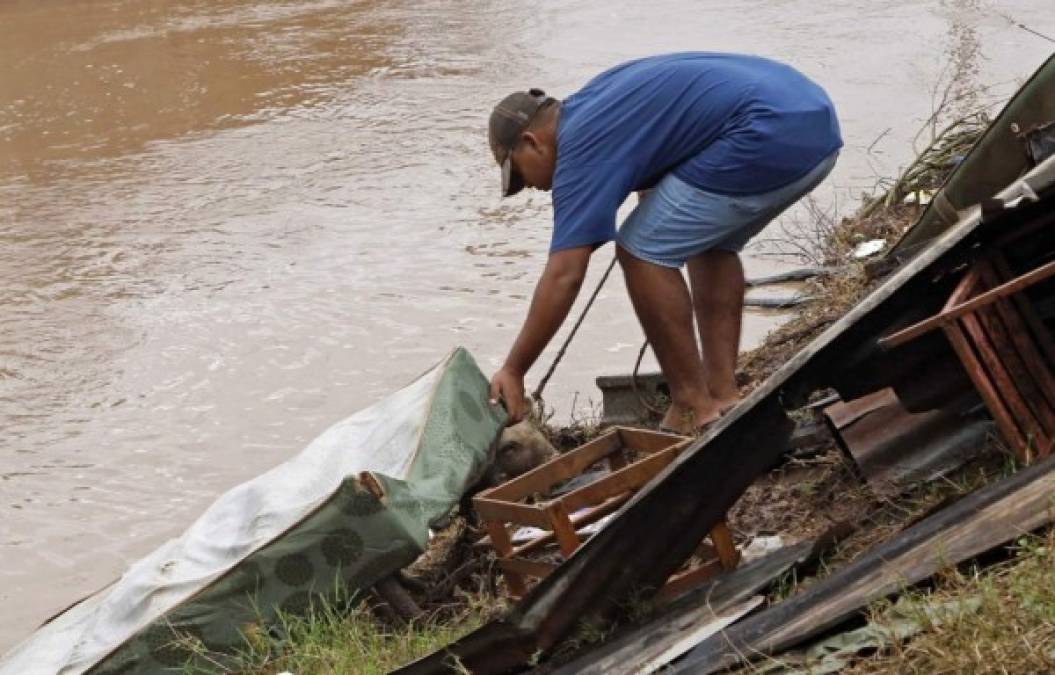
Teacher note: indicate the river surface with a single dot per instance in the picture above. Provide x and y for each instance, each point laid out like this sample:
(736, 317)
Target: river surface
(225, 225)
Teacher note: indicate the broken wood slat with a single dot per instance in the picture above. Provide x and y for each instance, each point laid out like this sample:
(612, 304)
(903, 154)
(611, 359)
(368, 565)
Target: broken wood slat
(950, 314)
(604, 495)
(583, 519)
(679, 584)
(1024, 375)
(562, 468)
(1002, 380)
(1039, 331)
(1016, 324)
(504, 548)
(527, 568)
(563, 530)
(993, 402)
(650, 442)
(491, 509)
(978, 522)
(633, 646)
(728, 554)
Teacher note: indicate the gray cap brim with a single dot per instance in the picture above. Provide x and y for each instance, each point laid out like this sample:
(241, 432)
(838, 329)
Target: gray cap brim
(512, 183)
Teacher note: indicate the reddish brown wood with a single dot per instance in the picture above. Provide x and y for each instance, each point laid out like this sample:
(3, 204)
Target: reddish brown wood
(563, 530)
(504, 504)
(526, 568)
(985, 388)
(1025, 377)
(728, 554)
(649, 442)
(1004, 384)
(511, 512)
(679, 584)
(504, 547)
(1023, 336)
(968, 306)
(1038, 330)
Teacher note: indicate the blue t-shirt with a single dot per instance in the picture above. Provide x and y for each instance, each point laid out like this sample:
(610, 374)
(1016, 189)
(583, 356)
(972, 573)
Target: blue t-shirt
(725, 123)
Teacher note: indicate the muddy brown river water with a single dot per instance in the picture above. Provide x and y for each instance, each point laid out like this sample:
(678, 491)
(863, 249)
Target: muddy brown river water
(224, 225)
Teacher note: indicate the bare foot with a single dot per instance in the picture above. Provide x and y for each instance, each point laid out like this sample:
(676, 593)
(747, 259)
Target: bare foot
(688, 421)
(727, 404)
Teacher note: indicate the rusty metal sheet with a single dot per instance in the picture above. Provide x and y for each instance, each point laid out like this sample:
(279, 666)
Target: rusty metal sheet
(893, 447)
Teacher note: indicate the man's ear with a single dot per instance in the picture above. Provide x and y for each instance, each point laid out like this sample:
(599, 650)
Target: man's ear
(532, 139)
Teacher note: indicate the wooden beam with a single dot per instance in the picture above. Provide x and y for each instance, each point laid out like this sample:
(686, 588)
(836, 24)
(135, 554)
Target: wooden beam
(981, 300)
(510, 512)
(560, 523)
(632, 646)
(989, 517)
(526, 568)
(648, 442)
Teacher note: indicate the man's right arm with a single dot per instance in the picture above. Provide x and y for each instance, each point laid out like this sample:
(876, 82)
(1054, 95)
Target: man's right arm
(554, 296)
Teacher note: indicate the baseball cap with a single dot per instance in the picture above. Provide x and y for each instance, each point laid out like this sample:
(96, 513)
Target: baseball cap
(510, 117)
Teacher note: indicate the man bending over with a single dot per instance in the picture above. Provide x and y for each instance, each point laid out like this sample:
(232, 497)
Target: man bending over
(717, 145)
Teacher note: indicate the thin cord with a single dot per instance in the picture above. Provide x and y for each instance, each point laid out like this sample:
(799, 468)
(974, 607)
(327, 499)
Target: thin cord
(537, 394)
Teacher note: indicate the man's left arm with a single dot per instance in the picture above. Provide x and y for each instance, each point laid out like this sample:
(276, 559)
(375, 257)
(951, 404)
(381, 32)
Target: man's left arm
(554, 296)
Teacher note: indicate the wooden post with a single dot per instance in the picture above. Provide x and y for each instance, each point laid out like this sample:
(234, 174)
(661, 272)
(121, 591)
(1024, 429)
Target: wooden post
(504, 548)
(722, 539)
(567, 537)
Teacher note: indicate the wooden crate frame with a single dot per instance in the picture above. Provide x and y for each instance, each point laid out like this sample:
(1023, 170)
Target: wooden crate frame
(506, 504)
(1005, 349)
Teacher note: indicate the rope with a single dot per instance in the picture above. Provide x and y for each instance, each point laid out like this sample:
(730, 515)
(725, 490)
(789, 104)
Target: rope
(537, 394)
(633, 383)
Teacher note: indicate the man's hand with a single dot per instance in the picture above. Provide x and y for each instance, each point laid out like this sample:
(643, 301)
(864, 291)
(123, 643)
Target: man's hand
(554, 295)
(508, 386)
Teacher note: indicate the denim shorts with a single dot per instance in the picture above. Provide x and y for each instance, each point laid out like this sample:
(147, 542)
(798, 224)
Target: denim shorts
(676, 221)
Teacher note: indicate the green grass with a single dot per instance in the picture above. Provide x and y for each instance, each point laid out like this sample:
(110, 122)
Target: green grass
(1008, 627)
(353, 642)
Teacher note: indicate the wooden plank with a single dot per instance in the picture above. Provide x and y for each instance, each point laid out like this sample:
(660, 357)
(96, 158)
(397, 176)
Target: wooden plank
(526, 568)
(722, 539)
(510, 512)
(989, 517)
(649, 442)
(1020, 332)
(680, 584)
(627, 479)
(567, 538)
(1040, 332)
(1024, 375)
(581, 520)
(1003, 382)
(981, 300)
(634, 645)
(985, 388)
(503, 547)
(556, 470)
